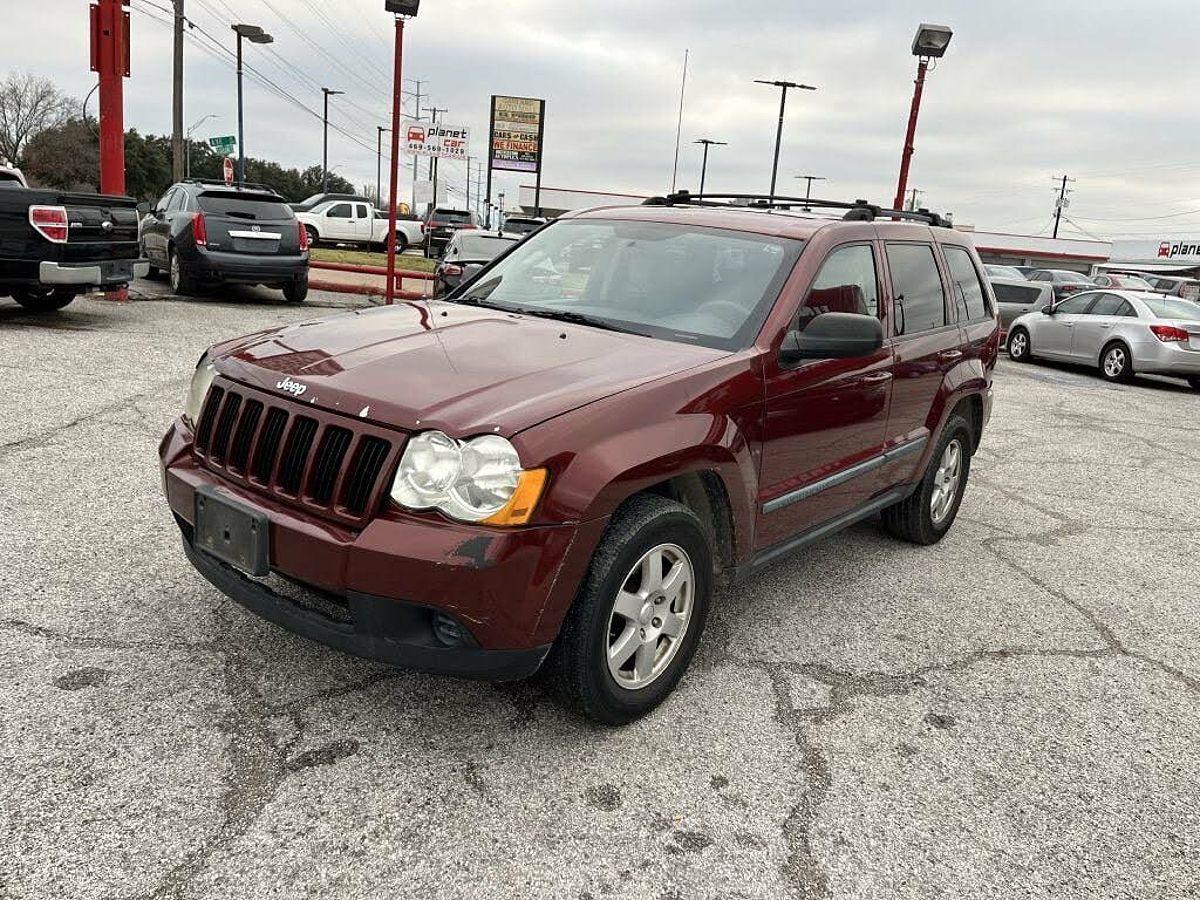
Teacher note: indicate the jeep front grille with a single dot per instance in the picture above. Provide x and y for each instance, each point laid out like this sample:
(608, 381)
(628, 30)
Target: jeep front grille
(318, 461)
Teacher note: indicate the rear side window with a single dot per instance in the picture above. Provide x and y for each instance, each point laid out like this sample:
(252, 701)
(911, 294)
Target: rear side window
(1015, 293)
(846, 283)
(243, 206)
(178, 201)
(968, 292)
(1110, 305)
(917, 288)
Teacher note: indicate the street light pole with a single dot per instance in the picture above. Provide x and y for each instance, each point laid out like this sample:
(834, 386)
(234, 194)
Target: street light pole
(704, 165)
(400, 9)
(783, 89)
(930, 42)
(188, 142)
(808, 188)
(255, 35)
(327, 93)
(379, 130)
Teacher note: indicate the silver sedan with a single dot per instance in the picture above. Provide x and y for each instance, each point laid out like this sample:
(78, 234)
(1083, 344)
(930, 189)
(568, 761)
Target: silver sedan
(1119, 332)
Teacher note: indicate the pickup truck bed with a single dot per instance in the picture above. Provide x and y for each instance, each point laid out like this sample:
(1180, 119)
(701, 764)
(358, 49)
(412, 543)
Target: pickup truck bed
(55, 245)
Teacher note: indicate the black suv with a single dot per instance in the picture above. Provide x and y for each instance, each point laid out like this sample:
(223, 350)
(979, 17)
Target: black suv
(439, 226)
(205, 234)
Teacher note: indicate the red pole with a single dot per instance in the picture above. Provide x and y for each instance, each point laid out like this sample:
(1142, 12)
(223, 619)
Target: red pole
(394, 163)
(922, 66)
(112, 42)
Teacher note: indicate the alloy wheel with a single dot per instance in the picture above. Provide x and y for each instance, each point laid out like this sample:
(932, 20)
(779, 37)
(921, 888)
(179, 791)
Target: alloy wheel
(175, 274)
(650, 616)
(1114, 362)
(1018, 345)
(945, 482)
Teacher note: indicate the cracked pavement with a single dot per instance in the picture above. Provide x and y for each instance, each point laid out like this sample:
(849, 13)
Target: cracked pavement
(1012, 713)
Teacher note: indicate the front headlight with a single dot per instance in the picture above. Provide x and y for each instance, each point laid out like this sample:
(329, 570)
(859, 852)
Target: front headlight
(202, 380)
(480, 480)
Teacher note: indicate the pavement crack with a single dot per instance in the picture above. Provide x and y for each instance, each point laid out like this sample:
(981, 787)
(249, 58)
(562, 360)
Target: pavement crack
(84, 642)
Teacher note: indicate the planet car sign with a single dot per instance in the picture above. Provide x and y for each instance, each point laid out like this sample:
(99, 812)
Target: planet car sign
(1184, 251)
(440, 140)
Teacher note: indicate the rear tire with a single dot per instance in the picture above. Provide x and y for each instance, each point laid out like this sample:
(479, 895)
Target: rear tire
(648, 535)
(1019, 347)
(296, 290)
(181, 283)
(313, 237)
(1116, 363)
(43, 300)
(925, 516)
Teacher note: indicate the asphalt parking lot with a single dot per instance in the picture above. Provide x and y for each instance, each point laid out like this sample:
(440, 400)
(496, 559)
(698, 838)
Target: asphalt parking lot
(1012, 713)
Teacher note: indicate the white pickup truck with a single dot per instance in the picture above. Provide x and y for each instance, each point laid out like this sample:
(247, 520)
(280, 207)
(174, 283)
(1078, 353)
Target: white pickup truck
(356, 222)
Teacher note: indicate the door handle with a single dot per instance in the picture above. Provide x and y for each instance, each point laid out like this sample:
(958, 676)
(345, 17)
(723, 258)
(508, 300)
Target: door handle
(875, 378)
(950, 355)
(1106, 324)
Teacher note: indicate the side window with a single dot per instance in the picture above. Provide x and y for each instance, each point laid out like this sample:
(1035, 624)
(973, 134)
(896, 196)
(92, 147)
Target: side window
(341, 211)
(1107, 305)
(360, 210)
(846, 283)
(968, 292)
(916, 287)
(1076, 305)
(180, 201)
(166, 200)
(1039, 276)
(1015, 293)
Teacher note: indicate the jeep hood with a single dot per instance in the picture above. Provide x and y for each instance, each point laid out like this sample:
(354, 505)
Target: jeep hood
(461, 369)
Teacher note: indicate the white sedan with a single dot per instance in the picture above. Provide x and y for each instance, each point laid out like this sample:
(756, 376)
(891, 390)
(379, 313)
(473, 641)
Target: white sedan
(1119, 332)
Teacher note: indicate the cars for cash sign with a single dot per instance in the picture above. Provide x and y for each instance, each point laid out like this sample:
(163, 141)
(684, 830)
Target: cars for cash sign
(441, 140)
(516, 134)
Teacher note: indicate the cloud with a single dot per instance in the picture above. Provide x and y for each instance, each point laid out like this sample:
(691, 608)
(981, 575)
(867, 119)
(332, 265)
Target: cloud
(1028, 90)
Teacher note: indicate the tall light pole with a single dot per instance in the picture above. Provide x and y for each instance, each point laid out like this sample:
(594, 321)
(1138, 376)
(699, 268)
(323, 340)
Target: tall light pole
(400, 9)
(808, 187)
(704, 165)
(783, 89)
(327, 93)
(254, 35)
(195, 125)
(930, 42)
(379, 130)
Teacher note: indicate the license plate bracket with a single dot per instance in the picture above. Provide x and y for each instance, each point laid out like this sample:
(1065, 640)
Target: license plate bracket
(232, 532)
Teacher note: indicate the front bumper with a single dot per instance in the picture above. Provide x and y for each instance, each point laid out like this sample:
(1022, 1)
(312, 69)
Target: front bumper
(507, 590)
(100, 274)
(245, 268)
(378, 628)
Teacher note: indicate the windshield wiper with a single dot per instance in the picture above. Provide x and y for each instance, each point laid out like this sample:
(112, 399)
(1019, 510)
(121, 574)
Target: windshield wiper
(562, 315)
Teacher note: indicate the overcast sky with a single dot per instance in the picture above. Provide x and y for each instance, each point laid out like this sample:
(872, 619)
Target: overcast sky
(1101, 90)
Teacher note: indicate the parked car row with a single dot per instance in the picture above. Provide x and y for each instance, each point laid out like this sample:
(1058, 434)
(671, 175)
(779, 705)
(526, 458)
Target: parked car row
(1067, 282)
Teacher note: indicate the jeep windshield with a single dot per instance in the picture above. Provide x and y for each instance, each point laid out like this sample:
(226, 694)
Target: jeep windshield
(705, 286)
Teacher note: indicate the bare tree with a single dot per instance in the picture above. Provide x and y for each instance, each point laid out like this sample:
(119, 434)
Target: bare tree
(28, 104)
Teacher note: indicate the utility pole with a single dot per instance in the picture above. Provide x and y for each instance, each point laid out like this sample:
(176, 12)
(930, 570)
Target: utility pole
(433, 162)
(177, 151)
(912, 199)
(808, 188)
(416, 159)
(1062, 202)
(327, 92)
(379, 130)
(468, 184)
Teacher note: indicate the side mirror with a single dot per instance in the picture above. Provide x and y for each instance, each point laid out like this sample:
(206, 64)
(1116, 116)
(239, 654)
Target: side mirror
(470, 270)
(143, 208)
(833, 335)
(1048, 310)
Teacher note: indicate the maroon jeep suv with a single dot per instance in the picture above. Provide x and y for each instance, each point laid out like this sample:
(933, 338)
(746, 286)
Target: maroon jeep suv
(553, 466)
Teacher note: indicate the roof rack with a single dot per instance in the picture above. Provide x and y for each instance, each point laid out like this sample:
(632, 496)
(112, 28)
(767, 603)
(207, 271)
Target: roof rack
(859, 210)
(250, 185)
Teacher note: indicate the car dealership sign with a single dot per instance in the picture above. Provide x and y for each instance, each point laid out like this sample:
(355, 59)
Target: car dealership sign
(515, 141)
(1168, 250)
(440, 140)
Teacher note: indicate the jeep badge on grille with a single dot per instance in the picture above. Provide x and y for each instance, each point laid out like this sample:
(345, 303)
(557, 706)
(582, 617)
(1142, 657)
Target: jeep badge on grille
(292, 387)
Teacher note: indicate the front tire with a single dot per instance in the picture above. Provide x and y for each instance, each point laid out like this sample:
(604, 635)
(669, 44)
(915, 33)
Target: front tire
(41, 300)
(1019, 348)
(637, 620)
(296, 290)
(925, 516)
(1116, 363)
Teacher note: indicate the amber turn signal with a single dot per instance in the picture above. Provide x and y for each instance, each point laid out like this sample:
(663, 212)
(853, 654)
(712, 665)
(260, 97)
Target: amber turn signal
(519, 509)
